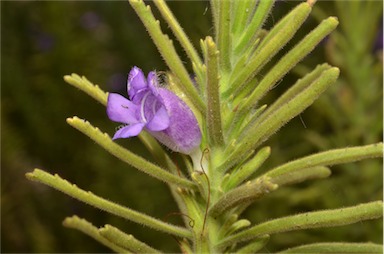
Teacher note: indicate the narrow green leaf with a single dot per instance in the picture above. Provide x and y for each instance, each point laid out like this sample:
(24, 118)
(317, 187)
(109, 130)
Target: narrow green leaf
(128, 242)
(328, 158)
(243, 10)
(270, 46)
(179, 32)
(225, 227)
(247, 192)
(243, 223)
(336, 248)
(318, 219)
(254, 246)
(90, 230)
(215, 13)
(224, 40)
(86, 86)
(247, 169)
(242, 120)
(281, 24)
(286, 63)
(298, 87)
(294, 177)
(132, 159)
(200, 78)
(301, 175)
(261, 131)
(202, 184)
(89, 198)
(213, 117)
(168, 52)
(262, 11)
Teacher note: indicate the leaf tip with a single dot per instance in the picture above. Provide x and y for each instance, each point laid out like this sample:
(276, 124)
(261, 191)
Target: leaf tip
(311, 2)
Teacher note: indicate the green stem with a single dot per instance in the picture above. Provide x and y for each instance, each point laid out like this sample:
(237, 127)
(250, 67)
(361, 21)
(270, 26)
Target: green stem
(215, 132)
(123, 154)
(128, 242)
(319, 219)
(90, 230)
(87, 197)
(168, 52)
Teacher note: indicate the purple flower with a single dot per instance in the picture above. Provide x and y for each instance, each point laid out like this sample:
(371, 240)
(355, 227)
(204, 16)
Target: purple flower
(155, 109)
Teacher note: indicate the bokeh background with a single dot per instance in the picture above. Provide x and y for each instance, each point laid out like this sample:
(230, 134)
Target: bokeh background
(45, 40)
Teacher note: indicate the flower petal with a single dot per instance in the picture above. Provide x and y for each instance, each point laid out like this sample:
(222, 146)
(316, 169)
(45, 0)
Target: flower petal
(129, 131)
(136, 82)
(120, 109)
(183, 134)
(160, 120)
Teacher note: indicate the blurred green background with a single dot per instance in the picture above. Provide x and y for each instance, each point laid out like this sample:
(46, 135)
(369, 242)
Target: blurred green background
(43, 41)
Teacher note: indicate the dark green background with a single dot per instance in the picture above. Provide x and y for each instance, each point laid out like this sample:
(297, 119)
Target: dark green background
(43, 41)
